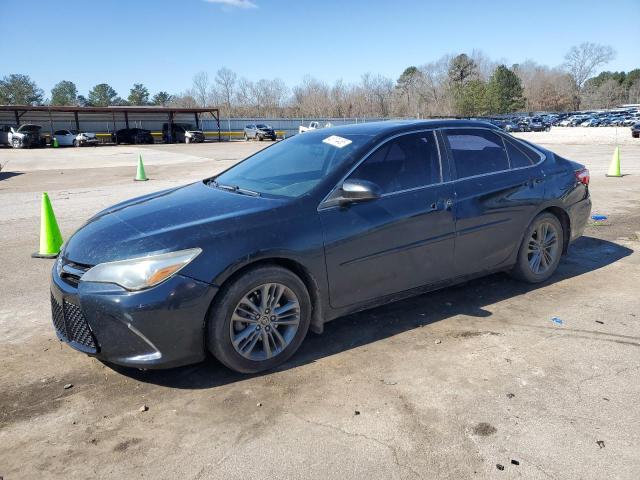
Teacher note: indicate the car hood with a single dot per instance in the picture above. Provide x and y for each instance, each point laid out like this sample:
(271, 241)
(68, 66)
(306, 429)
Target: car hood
(169, 220)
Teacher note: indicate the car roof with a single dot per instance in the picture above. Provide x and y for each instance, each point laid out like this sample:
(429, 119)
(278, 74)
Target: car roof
(390, 127)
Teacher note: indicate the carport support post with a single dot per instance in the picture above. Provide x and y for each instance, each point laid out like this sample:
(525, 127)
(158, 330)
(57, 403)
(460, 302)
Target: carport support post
(51, 124)
(197, 120)
(75, 116)
(216, 115)
(170, 128)
(126, 119)
(17, 118)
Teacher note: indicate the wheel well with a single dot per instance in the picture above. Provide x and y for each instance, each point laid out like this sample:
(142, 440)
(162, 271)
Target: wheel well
(565, 222)
(301, 272)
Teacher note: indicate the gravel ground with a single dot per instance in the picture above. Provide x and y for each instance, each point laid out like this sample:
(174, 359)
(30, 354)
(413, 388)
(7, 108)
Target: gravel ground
(446, 385)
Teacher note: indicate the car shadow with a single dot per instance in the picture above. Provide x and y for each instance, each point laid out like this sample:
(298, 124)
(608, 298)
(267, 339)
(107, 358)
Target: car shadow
(5, 175)
(353, 331)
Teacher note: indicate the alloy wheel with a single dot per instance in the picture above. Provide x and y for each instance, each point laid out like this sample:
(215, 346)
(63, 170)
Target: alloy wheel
(265, 321)
(542, 248)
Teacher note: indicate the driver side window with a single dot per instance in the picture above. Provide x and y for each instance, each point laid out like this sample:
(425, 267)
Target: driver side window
(406, 162)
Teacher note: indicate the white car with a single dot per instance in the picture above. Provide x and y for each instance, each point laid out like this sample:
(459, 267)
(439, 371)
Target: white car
(21, 137)
(67, 138)
(313, 126)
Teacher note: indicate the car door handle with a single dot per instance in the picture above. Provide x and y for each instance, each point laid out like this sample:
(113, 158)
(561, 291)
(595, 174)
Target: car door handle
(535, 181)
(441, 205)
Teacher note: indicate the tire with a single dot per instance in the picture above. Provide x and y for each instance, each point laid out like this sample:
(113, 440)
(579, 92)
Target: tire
(260, 138)
(525, 268)
(246, 139)
(15, 143)
(233, 296)
(76, 143)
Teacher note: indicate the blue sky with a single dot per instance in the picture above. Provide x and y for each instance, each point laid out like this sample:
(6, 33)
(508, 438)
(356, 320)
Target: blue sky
(164, 43)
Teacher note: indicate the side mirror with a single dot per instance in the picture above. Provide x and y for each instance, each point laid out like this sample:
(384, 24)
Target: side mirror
(354, 191)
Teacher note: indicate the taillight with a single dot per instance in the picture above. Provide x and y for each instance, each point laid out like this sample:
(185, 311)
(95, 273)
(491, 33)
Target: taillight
(583, 176)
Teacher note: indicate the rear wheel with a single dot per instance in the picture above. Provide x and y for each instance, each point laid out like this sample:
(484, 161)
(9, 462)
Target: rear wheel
(259, 320)
(541, 249)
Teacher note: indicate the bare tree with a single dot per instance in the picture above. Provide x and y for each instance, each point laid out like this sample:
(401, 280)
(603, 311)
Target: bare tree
(201, 89)
(311, 97)
(434, 89)
(225, 81)
(582, 61)
(634, 92)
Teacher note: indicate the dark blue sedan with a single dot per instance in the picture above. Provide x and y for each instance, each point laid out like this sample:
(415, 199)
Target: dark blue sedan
(323, 224)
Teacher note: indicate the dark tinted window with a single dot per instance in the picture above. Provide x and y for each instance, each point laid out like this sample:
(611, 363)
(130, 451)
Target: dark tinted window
(476, 151)
(294, 166)
(517, 155)
(406, 162)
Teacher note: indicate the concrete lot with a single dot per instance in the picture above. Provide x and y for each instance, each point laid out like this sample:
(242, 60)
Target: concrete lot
(445, 385)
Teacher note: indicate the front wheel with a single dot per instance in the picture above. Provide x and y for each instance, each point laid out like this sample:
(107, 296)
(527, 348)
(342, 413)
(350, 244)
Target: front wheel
(259, 320)
(15, 143)
(541, 249)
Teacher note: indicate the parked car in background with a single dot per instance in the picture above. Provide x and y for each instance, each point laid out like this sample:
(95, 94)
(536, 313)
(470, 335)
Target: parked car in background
(24, 136)
(259, 132)
(133, 136)
(313, 126)
(315, 227)
(537, 124)
(85, 138)
(635, 130)
(182, 133)
(590, 122)
(65, 138)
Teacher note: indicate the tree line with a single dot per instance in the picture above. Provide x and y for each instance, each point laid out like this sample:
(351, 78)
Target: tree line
(463, 84)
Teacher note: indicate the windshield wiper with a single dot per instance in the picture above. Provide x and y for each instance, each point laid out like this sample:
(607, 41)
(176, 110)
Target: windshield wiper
(234, 188)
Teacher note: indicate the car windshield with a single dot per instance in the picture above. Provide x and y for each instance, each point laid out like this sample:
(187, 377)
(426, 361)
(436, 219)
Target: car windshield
(293, 167)
(29, 128)
(262, 125)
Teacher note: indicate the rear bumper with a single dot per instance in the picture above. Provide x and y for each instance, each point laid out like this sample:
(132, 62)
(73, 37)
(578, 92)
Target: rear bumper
(579, 214)
(160, 327)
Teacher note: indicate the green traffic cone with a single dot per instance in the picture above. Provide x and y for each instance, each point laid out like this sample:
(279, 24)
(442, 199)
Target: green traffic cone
(141, 176)
(55, 143)
(50, 237)
(614, 166)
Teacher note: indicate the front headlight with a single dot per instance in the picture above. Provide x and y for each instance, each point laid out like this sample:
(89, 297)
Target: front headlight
(142, 272)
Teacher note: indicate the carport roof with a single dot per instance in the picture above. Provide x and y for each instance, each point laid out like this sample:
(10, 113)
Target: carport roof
(119, 109)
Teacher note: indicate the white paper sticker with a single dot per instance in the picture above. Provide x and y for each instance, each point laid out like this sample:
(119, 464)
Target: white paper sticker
(337, 141)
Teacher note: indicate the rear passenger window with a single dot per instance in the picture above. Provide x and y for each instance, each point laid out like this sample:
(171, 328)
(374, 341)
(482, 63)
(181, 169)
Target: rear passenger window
(476, 152)
(406, 162)
(517, 155)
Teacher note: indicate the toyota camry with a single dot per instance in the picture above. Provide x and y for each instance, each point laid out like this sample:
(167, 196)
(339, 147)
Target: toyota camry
(244, 263)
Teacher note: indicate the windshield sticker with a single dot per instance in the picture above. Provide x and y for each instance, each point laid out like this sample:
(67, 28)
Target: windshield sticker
(337, 141)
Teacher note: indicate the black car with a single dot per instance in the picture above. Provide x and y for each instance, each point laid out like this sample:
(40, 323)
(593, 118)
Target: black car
(182, 133)
(259, 131)
(133, 135)
(537, 124)
(635, 130)
(323, 224)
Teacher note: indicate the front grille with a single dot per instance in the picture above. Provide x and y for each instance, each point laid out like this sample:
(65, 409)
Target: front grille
(71, 325)
(58, 317)
(72, 272)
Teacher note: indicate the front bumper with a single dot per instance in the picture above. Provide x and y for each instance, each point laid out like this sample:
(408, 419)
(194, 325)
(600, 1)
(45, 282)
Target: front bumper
(161, 327)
